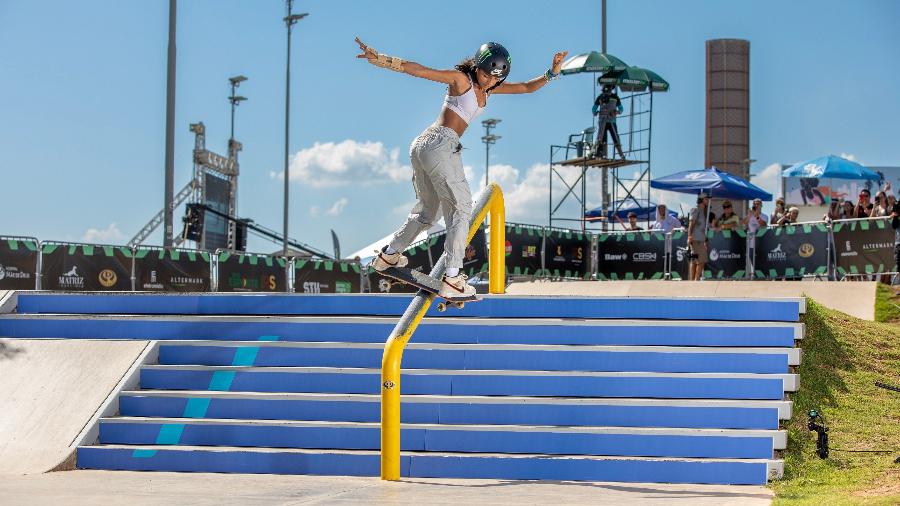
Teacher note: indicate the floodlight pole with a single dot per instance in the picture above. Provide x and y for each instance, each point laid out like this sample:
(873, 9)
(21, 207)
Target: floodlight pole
(603, 26)
(169, 188)
(289, 21)
(488, 139)
(235, 99)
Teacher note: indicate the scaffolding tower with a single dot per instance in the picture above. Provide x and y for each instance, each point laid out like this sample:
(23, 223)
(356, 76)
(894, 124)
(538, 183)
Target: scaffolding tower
(580, 181)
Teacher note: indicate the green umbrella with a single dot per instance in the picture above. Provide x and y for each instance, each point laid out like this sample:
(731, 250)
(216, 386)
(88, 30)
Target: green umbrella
(635, 79)
(592, 62)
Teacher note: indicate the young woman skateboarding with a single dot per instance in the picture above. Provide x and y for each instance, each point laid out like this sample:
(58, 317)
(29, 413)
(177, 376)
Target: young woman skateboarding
(438, 177)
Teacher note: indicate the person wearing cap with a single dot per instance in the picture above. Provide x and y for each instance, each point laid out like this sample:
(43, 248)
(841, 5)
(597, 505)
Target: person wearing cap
(665, 221)
(697, 227)
(632, 222)
(728, 220)
(790, 217)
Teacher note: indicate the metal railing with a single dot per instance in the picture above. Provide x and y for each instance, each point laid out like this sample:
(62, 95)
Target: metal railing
(488, 202)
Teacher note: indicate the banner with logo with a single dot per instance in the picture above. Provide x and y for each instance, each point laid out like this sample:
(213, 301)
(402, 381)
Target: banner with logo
(680, 262)
(863, 246)
(631, 255)
(727, 253)
(327, 276)
(172, 270)
(418, 254)
(18, 263)
(85, 267)
(524, 244)
(567, 254)
(476, 255)
(248, 272)
(791, 251)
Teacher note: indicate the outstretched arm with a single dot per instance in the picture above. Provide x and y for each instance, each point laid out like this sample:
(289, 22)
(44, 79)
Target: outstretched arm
(536, 83)
(451, 76)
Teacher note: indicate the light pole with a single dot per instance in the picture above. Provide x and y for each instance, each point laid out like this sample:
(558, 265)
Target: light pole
(488, 139)
(169, 184)
(235, 99)
(289, 21)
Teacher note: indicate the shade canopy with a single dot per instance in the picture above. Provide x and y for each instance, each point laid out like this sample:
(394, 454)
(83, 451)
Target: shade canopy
(830, 166)
(621, 208)
(715, 183)
(592, 62)
(635, 79)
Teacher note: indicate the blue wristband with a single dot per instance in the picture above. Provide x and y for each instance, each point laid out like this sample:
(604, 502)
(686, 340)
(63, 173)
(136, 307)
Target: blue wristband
(549, 75)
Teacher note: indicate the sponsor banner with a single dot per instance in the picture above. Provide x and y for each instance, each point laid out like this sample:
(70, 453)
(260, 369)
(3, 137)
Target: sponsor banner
(172, 270)
(567, 254)
(863, 247)
(18, 263)
(327, 276)
(680, 262)
(524, 245)
(631, 255)
(85, 267)
(727, 252)
(792, 251)
(248, 272)
(418, 255)
(476, 256)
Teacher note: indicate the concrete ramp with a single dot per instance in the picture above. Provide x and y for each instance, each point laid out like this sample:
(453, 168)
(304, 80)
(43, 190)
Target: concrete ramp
(49, 391)
(854, 298)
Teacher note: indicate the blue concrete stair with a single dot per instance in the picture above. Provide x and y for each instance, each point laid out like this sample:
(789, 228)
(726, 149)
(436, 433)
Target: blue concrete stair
(573, 388)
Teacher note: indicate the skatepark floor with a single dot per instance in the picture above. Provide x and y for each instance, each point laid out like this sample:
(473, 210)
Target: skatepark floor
(76, 488)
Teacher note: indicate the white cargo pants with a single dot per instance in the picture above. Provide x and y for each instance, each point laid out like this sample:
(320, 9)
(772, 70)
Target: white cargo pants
(440, 185)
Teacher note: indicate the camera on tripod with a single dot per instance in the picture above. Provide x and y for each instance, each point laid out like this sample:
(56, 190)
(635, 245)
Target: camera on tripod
(821, 430)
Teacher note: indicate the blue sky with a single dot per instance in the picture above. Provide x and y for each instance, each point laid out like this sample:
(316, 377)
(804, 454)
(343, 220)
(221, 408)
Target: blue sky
(83, 88)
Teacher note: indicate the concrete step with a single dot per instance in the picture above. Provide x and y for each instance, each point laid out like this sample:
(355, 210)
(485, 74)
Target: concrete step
(610, 441)
(497, 306)
(474, 382)
(432, 330)
(474, 356)
(429, 464)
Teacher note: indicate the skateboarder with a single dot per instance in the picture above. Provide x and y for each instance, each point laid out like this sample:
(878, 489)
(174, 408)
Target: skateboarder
(438, 177)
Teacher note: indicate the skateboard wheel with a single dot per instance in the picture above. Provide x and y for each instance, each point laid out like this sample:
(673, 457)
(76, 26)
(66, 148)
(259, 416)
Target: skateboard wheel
(442, 307)
(460, 305)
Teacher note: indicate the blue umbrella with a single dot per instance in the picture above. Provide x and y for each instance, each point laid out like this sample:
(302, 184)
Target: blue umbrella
(623, 207)
(712, 181)
(830, 166)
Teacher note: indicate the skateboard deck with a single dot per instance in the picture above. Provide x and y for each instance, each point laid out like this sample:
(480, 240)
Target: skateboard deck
(425, 282)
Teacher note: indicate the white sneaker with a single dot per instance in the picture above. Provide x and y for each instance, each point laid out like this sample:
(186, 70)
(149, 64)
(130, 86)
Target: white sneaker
(385, 261)
(456, 287)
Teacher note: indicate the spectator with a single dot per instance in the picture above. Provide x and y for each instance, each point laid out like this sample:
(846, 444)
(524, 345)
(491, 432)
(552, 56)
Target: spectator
(728, 220)
(834, 212)
(790, 218)
(779, 211)
(881, 208)
(754, 221)
(664, 221)
(697, 227)
(863, 208)
(632, 222)
(848, 208)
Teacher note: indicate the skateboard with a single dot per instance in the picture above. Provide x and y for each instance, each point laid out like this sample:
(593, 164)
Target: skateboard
(425, 282)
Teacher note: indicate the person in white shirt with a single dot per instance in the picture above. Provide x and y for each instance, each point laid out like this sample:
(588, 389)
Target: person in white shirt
(755, 220)
(665, 221)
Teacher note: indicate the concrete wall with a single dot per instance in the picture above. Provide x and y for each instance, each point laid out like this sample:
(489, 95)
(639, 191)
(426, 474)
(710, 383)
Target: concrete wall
(856, 299)
(49, 391)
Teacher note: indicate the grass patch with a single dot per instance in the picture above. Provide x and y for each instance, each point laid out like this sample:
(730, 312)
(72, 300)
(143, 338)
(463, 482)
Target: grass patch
(842, 358)
(887, 304)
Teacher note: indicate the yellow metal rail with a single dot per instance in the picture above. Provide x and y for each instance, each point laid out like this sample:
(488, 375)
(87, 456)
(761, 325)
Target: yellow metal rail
(488, 202)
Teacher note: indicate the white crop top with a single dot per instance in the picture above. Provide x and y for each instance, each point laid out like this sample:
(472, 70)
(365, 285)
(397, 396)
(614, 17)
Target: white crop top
(465, 105)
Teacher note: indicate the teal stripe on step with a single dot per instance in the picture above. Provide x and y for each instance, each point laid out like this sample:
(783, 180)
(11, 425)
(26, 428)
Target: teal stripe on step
(170, 434)
(143, 454)
(196, 408)
(221, 381)
(245, 355)
(269, 338)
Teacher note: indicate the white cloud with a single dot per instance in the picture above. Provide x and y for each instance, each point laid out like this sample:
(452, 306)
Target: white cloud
(850, 156)
(331, 164)
(770, 179)
(109, 235)
(338, 207)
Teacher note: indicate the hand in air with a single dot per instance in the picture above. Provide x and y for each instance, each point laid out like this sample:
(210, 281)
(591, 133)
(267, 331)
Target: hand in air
(367, 52)
(557, 61)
